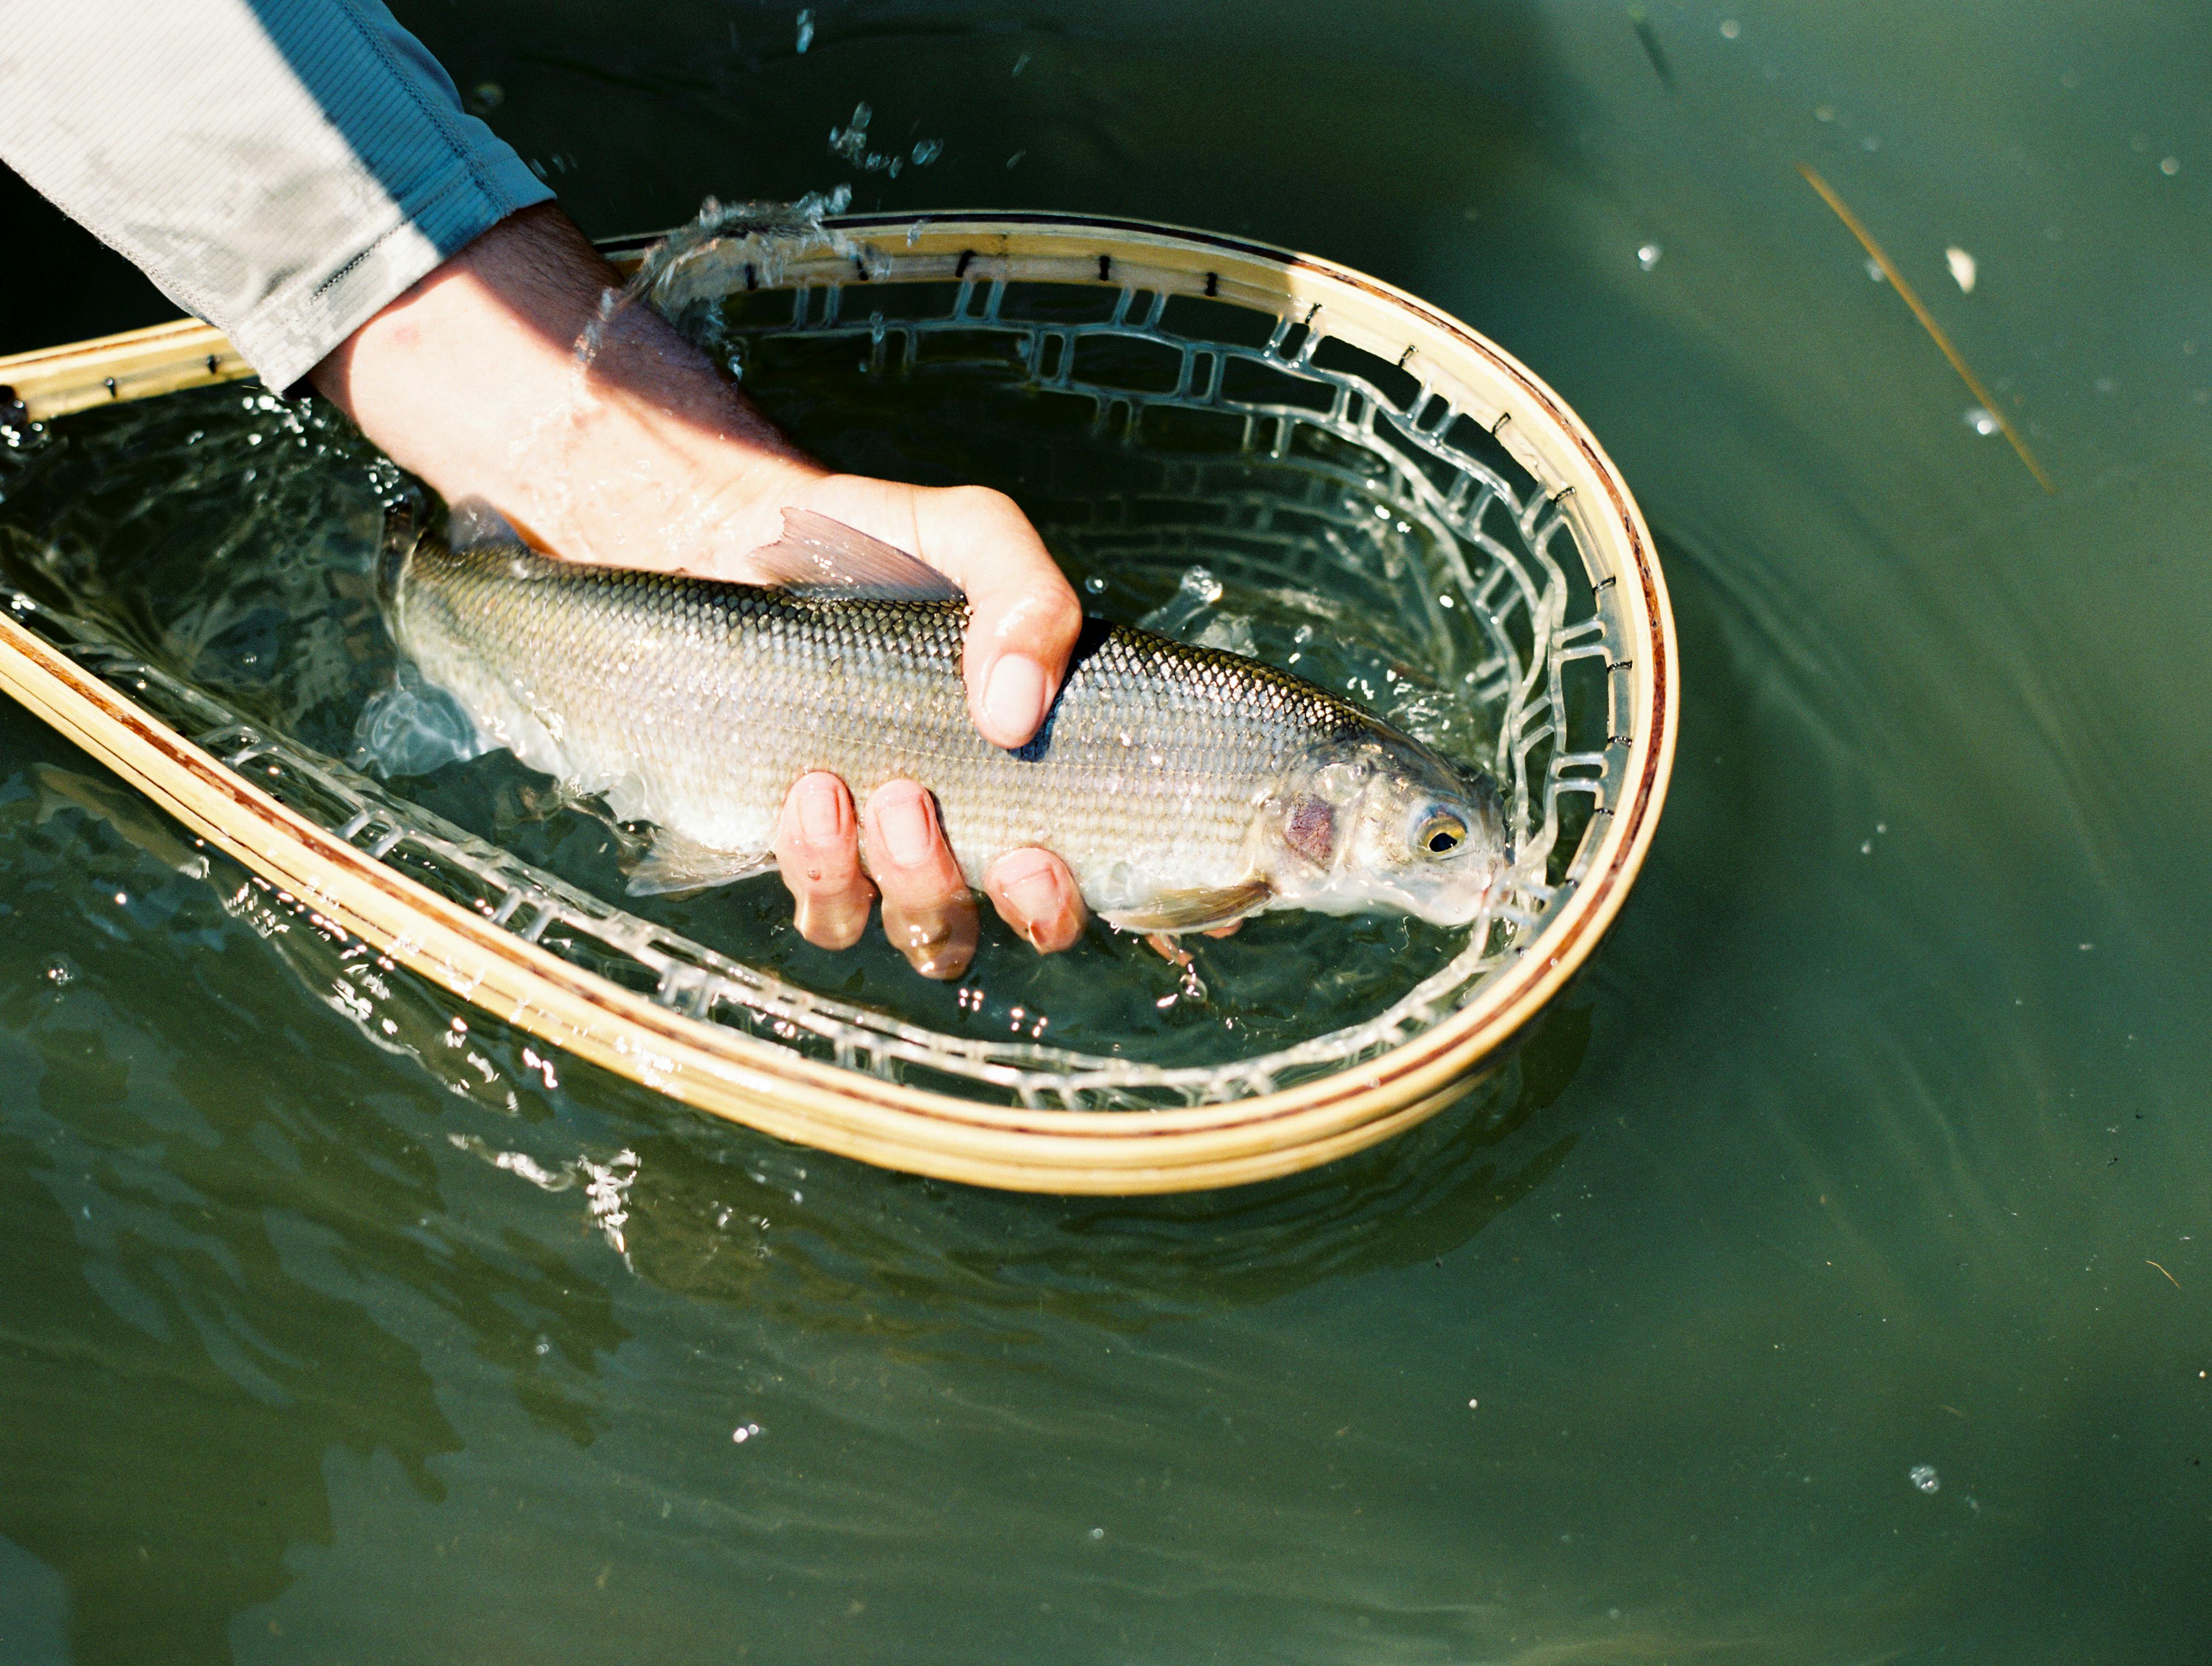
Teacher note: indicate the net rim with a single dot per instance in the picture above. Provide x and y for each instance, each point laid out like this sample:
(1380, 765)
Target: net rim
(753, 1081)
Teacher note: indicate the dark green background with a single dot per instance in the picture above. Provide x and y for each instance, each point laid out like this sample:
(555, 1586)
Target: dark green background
(1852, 1154)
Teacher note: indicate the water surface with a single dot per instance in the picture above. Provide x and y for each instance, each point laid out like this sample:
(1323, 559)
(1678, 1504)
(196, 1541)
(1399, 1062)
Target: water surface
(1851, 1156)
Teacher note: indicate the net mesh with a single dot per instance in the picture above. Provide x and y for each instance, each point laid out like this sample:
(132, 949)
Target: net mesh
(1257, 444)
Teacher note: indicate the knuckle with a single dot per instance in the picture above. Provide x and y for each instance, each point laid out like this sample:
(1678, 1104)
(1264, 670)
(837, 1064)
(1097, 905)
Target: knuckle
(982, 503)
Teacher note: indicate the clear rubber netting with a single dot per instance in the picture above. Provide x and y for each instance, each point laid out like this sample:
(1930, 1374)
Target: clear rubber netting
(1216, 440)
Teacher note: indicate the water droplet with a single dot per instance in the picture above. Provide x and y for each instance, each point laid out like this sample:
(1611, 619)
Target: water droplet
(1730, 29)
(852, 143)
(1824, 112)
(1982, 421)
(805, 29)
(1925, 1477)
(1095, 585)
(1647, 256)
(1097, 1532)
(1874, 272)
(1962, 268)
(2170, 166)
(744, 1432)
(926, 151)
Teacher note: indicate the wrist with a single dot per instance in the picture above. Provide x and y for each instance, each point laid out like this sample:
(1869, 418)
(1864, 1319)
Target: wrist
(608, 438)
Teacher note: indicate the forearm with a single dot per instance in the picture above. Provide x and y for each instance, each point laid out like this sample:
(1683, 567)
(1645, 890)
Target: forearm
(632, 452)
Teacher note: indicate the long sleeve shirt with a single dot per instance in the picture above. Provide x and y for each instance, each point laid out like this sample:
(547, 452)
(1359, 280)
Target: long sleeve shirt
(281, 168)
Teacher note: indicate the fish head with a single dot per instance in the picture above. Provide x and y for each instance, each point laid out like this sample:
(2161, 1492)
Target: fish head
(1371, 819)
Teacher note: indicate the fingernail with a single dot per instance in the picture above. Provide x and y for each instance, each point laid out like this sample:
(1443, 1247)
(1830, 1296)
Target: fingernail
(1014, 697)
(821, 817)
(1035, 897)
(905, 825)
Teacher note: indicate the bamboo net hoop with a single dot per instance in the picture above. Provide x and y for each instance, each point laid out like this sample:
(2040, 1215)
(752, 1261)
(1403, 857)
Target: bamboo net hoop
(1455, 411)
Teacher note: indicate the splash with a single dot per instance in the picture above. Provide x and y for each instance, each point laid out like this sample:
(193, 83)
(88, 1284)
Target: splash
(851, 143)
(679, 278)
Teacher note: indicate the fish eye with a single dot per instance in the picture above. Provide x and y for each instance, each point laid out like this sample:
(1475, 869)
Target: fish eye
(1442, 834)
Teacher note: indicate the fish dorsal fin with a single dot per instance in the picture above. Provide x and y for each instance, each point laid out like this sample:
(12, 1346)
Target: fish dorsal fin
(1194, 910)
(828, 560)
(473, 524)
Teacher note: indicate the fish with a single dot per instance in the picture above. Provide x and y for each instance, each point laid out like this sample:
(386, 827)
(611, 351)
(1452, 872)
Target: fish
(1186, 788)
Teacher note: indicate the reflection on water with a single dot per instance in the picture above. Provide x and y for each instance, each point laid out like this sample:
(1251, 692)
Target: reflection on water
(208, 1241)
(1860, 1149)
(252, 1242)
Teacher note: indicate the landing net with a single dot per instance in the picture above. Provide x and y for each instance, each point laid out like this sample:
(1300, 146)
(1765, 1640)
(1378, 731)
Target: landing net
(1247, 441)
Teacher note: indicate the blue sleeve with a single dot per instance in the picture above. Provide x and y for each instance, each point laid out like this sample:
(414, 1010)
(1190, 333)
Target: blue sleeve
(281, 168)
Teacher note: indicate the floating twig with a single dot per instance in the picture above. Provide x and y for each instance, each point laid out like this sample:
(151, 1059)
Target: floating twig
(2170, 1279)
(1935, 333)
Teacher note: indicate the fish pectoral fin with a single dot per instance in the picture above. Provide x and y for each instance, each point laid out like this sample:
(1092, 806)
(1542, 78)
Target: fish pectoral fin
(828, 560)
(473, 524)
(673, 863)
(1194, 910)
(413, 727)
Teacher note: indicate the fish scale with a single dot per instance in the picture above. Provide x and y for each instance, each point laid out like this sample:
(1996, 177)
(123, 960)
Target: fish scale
(694, 704)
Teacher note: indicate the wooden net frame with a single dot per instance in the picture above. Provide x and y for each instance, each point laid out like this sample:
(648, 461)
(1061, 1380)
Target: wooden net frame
(1559, 551)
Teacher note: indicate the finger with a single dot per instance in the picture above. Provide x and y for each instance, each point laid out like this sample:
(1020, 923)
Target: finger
(1036, 895)
(928, 913)
(1024, 616)
(817, 851)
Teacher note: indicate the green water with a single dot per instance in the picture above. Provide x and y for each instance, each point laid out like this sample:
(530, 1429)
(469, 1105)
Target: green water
(1848, 1157)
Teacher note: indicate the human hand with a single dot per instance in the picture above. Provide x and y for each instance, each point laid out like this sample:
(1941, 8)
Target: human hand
(639, 454)
(1022, 624)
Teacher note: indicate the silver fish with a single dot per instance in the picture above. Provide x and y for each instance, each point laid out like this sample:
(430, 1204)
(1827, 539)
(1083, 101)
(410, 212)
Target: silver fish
(1184, 787)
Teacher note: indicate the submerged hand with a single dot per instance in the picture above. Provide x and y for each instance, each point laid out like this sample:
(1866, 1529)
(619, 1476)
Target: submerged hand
(929, 914)
(1022, 627)
(644, 456)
